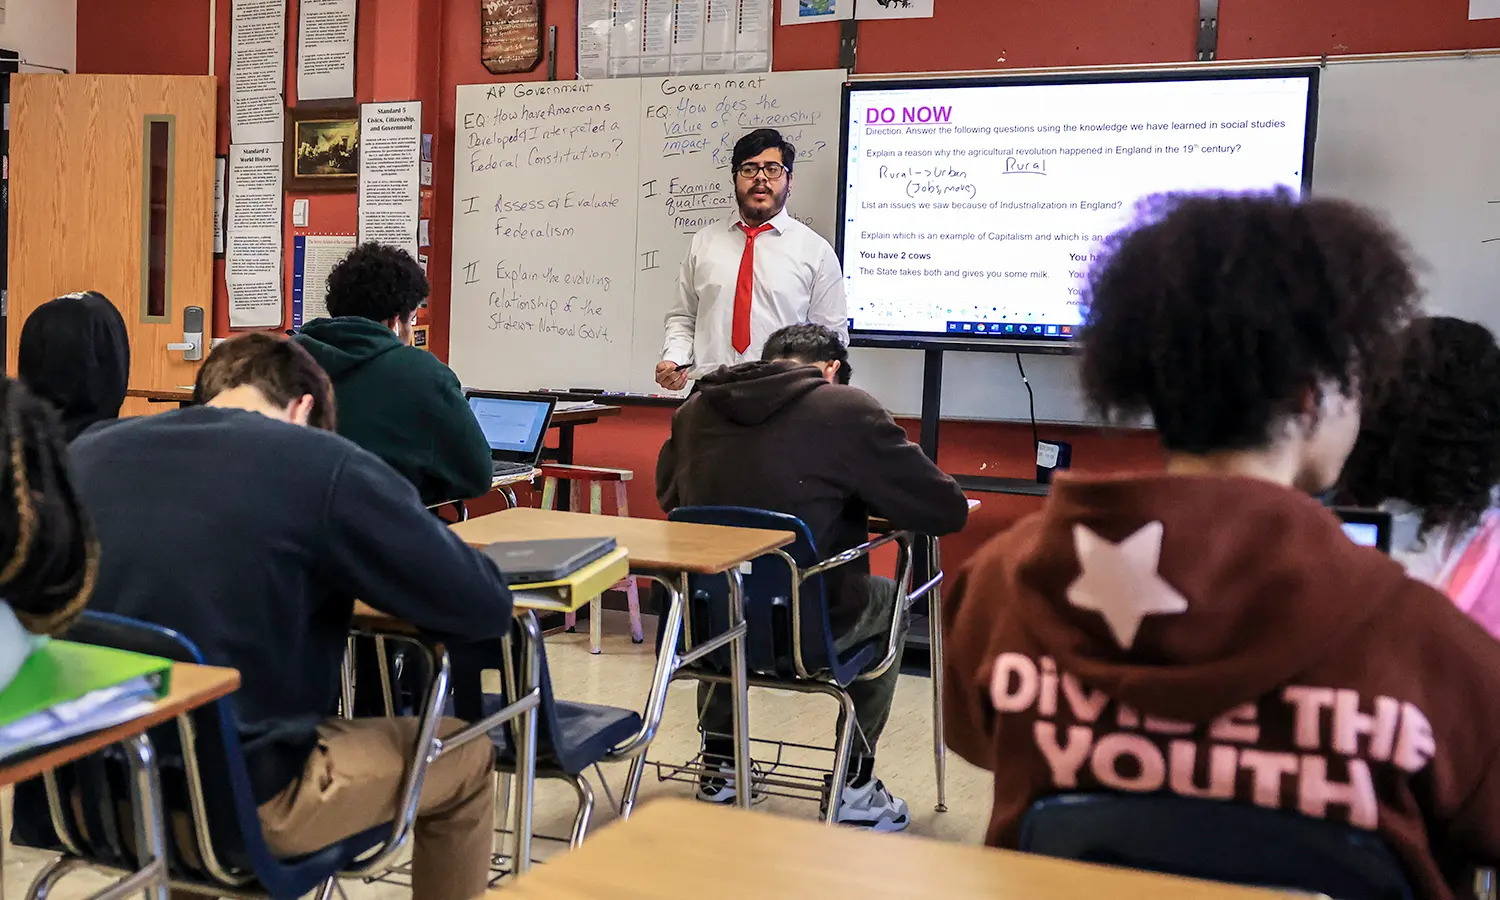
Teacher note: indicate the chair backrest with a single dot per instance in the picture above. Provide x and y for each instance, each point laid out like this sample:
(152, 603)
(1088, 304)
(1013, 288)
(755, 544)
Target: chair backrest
(768, 600)
(1216, 841)
(229, 802)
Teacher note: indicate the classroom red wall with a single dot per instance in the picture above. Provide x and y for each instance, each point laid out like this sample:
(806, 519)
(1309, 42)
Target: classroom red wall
(422, 49)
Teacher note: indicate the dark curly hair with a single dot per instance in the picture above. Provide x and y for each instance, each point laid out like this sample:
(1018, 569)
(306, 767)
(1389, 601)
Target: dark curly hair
(376, 282)
(807, 343)
(1219, 314)
(1433, 438)
(49, 559)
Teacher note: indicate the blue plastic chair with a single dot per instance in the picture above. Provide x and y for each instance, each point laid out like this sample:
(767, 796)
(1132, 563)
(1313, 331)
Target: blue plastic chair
(1216, 841)
(204, 778)
(571, 737)
(790, 643)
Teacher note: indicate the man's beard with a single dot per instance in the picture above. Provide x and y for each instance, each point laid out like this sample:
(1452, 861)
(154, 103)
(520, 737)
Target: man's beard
(778, 198)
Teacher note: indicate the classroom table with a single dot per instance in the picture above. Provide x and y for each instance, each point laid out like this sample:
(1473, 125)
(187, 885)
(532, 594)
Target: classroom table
(191, 687)
(183, 397)
(684, 850)
(933, 590)
(667, 553)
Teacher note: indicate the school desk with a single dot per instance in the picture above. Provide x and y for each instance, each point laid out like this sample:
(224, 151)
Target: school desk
(570, 592)
(933, 590)
(685, 850)
(190, 687)
(667, 553)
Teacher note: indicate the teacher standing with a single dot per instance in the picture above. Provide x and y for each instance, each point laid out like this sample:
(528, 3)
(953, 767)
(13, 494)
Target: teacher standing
(757, 271)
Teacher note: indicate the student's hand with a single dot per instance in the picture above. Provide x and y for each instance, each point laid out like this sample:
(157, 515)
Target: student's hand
(669, 377)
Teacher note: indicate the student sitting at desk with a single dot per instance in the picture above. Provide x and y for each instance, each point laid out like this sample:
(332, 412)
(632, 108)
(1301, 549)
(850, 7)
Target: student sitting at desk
(48, 557)
(1429, 454)
(396, 401)
(788, 434)
(1209, 631)
(75, 354)
(251, 529)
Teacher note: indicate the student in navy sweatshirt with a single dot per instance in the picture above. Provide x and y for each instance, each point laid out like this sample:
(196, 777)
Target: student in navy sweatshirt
(248, 525)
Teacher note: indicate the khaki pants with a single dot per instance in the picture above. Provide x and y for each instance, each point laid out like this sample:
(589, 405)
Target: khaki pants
(351, 783)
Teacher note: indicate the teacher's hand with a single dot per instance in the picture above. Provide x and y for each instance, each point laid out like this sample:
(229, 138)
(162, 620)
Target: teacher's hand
(668, 376)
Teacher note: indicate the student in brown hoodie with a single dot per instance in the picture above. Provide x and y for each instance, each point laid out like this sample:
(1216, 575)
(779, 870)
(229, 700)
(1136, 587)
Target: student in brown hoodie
(788, 434)
(1209, 631)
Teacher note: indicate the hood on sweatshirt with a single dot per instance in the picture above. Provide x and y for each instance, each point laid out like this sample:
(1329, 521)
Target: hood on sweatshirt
(343, 344)
(752, 392)
(1233, 618)
(75, 354)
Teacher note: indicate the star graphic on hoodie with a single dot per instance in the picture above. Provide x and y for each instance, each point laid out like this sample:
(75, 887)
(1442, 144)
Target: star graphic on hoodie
(1121, 582)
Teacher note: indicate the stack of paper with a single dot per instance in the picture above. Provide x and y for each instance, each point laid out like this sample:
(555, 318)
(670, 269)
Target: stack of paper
(65, 690)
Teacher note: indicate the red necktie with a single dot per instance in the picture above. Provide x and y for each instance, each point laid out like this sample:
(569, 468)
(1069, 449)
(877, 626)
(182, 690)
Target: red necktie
(740, 335)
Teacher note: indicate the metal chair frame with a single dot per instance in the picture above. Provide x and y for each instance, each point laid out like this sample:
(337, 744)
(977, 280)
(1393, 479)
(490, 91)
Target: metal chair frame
(806, 681)
(520, 714)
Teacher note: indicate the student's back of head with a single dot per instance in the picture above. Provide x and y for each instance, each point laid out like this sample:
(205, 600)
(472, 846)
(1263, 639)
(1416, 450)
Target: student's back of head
(48, 558)
(1247, 323)
(812, 345)
(271, 375)
(377, 282)
(74, 353)
(1431, 439)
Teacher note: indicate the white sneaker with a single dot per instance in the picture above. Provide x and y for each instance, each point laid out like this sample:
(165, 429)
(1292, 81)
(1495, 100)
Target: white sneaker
(720, 788)
(872, 806)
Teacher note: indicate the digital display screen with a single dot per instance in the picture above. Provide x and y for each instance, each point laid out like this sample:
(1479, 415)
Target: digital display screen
(974, 210)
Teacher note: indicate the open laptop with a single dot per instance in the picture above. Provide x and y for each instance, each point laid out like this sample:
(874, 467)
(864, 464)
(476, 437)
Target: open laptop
(1366, 527)
(538, 562)
(515, 426)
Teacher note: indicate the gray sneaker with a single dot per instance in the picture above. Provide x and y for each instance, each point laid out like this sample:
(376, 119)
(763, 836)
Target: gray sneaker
(872, 806)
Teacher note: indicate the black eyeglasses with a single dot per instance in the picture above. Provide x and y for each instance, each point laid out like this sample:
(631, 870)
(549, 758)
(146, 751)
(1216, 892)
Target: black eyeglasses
(773, 170)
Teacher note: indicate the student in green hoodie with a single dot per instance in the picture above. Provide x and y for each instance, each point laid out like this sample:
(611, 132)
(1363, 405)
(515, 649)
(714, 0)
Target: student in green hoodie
(396, 401)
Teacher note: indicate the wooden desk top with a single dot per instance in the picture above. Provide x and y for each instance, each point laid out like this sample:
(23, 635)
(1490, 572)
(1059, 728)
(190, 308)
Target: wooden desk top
(192, 687)
(684, 850)
(175, 395)
(584, 416)
(655, 545)
(883, 526)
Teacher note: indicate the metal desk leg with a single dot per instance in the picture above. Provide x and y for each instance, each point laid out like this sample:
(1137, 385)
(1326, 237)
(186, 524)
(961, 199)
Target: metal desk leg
(150, 833)
(740, 686)
(666, 667)
(525, 786)
(346, 679)
(935, 663)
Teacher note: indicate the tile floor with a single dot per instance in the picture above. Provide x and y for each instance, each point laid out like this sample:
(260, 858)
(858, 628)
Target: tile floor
(620, 676)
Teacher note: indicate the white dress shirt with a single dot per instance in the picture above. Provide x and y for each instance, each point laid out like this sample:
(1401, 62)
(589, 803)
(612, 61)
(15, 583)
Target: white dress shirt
(797, 280)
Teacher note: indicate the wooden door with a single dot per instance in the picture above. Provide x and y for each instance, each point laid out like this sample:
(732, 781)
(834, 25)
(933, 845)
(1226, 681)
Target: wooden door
(112, 186)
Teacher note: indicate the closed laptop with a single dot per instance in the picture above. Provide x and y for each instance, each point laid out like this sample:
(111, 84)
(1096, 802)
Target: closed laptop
(538, 562)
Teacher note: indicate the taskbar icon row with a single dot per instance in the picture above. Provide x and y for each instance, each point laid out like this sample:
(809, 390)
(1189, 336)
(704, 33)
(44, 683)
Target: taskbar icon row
(1064, 332)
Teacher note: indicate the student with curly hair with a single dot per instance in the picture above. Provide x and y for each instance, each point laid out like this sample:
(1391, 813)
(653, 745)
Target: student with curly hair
(397, 401)
(49, 560)
(1429, 453)
(1209, 631)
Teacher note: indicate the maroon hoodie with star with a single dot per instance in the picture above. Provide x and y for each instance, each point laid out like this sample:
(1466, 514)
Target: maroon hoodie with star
(1221, 638)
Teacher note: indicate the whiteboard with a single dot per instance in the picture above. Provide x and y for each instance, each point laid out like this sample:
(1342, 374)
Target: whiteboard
(1410, 137)
(575, 203)
(543, 284)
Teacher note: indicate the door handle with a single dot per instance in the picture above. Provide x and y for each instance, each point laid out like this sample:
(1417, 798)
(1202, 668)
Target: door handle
(191, 347)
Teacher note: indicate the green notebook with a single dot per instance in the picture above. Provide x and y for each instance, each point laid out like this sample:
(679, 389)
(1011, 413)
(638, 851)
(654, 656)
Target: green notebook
(63, 671)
